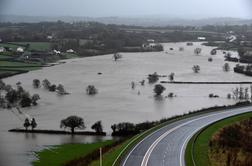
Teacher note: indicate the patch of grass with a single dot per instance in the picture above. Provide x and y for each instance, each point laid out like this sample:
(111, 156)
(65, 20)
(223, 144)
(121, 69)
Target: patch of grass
(5, 56)
(7, 71)
(8, 68)
(69, 55)
(16, 64)
(14, 47)
(58, 155)
(109, 157)
(198, 145)
(38, 46)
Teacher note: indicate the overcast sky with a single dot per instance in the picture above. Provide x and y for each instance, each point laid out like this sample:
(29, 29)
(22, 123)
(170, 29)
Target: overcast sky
(105, 8)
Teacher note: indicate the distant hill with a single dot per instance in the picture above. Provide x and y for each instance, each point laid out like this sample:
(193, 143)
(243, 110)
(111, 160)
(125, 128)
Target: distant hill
(138, 21)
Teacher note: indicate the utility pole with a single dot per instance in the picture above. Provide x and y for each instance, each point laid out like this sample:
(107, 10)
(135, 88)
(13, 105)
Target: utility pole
(100, 156)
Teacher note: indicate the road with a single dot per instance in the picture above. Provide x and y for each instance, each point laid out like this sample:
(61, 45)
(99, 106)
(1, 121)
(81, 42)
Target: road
(166, 146)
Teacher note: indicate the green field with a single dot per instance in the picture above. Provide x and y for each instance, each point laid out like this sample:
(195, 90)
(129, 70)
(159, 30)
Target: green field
(11, 67)
(69, 55)
(58, 155)
(17, 64)
(4, 56)
(14, 47)
(38, 46)
(198, 145)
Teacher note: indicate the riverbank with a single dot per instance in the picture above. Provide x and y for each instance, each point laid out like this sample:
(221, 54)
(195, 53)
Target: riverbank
(57, 132)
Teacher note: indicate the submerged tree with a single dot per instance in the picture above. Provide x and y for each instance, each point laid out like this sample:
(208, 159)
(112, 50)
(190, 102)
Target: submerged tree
(171, 77)
(159, 89)
(11, 96)
(197, 51)
(35, 98)
(26, 100)
(36, 83)
(181, 48)
(142, 82)
(117, 56)
(97, 126)
(33, 124)
(196, 68)
(26, 123)
(153, 77)
(52, 88)
(72, 122)
(226, 67)
(91, 90)
(60, 89)
(213, 52)
(46, 84)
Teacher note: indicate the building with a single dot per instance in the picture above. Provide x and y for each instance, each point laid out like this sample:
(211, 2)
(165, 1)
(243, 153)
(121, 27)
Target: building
(49, 37)
(2, 49)
(20, 49)
(149, 45)
(151, 41)
(56, 52)
(70, 51)
(201, 38)
(231, 38)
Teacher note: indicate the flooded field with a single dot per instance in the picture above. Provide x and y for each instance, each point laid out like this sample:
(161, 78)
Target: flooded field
(115, 101)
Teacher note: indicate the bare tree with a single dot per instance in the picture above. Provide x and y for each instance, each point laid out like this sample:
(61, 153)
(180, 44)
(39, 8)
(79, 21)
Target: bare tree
(196, 68)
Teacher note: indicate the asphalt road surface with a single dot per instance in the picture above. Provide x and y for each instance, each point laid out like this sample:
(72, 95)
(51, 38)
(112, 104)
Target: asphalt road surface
(166, 146)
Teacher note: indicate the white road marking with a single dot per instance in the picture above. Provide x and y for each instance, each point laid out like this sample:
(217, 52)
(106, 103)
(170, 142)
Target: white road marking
(155, 143)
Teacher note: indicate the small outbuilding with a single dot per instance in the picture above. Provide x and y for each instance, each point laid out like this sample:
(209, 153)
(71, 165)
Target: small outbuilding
(56, 52)
(20, 49)
(49, 37)
(70, 51)
(201, 38)
(2, 49)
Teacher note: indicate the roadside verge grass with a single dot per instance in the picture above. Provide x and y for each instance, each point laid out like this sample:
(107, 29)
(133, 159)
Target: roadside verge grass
(58, 155)
(197, 148)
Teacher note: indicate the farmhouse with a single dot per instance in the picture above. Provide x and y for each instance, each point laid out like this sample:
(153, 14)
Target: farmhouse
(201, 38)
(20, 49)
(70, 51)
(49, 37)
(2, 49)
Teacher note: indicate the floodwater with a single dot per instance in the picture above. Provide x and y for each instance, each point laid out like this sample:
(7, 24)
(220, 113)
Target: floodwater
(115, 101)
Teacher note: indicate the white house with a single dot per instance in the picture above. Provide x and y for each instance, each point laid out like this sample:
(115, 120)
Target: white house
(149, 45)
(70, 51)
(2, 49)
(50, 37)
(56, 52)
(202, 38)
(231, 38)
(20, 49)
(151, 41)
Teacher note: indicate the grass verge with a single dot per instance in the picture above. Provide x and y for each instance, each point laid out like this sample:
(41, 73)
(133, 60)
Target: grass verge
(58, 155)
(197, 148)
